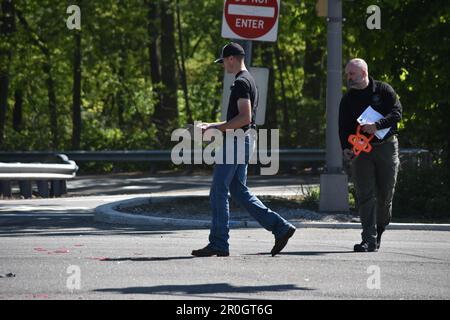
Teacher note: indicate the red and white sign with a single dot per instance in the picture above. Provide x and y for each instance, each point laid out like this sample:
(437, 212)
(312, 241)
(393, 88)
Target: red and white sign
(251, 19)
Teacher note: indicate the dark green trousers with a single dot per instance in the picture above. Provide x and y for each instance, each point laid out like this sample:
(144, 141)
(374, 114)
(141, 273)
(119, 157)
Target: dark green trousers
(374, 175)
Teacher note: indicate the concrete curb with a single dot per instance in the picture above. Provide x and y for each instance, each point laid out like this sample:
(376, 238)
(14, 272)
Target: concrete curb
(108, 214)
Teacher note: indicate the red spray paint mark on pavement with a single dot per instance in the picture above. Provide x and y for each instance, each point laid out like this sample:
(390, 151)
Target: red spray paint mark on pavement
(61, 251)
(40, 296)
(98, 258)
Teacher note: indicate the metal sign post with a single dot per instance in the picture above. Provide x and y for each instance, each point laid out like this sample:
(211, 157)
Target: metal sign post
(248, 46)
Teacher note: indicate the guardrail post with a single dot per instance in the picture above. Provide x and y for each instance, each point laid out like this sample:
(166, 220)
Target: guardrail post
(58, 188)
(55, 188)
(5, 188)
(63, 187)
(25, 189)
(43, 188)
(152, 168)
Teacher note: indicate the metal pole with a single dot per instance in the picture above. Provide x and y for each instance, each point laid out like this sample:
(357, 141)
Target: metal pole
(248, 46)
(334, 184)
(334, 85)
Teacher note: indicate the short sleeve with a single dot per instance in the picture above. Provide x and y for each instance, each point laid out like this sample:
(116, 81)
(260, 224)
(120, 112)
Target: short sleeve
(241, 89)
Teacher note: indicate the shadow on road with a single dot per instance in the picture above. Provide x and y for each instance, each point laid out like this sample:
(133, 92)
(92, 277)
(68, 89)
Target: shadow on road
(201, 289)
(300, 253)
(141, 183)
(147, 259)
(72, 226)
(315, 253)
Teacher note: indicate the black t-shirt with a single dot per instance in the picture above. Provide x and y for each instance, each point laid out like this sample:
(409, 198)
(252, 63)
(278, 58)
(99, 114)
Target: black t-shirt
(244, 87)
(381, 97)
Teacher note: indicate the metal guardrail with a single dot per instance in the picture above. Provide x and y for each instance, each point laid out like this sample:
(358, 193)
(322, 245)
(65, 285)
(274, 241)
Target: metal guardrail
(55, 170)
(46, 170)
(26, 171)
(285, 155)
(294, 155)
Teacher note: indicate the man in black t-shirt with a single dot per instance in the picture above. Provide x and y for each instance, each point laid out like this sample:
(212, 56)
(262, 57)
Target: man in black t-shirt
(231, 177)
(375, 172)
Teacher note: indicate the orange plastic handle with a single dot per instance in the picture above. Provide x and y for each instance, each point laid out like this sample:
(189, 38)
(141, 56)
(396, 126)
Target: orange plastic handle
(360, 142)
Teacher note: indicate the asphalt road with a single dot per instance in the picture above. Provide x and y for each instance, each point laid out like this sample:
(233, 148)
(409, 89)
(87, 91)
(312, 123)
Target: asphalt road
(56, 251)
(71, 257)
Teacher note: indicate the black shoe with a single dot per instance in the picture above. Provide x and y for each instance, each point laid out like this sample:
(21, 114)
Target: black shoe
(379, 233)
(281, 242)
(365, 247)
(208, 252)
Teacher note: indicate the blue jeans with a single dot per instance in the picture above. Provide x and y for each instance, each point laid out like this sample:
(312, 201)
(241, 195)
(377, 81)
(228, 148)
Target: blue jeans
(232, 178)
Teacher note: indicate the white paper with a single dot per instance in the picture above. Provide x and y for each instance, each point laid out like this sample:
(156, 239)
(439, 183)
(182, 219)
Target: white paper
(370, 116)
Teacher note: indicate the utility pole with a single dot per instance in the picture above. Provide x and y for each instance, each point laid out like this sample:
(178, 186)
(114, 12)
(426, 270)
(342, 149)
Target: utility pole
(334, 183)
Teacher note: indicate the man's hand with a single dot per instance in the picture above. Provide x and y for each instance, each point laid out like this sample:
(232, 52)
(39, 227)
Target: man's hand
(204, 126)
(369, 128)
(348, 154)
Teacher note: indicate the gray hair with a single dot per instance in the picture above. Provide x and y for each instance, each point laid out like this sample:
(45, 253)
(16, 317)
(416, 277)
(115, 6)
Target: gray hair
(360, 63)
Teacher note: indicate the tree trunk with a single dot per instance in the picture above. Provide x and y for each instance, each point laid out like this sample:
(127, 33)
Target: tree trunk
(8, 19)
(169, 116)
(183, 67)
(52, 106)
(121, 101)
(17, 113)
(76, 98)
(217, 105)
(155, 73)
(271, 107)
(4, 83)
(7, 26)
(286, 125)
(312, 70)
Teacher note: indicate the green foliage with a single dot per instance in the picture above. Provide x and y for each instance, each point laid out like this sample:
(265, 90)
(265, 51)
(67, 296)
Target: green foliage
(423, 193)
(352, 197)
(311, 199)
(119, 97)
(410, 52)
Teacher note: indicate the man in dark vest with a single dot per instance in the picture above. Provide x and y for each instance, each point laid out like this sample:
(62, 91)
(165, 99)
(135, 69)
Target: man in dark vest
(375, 172)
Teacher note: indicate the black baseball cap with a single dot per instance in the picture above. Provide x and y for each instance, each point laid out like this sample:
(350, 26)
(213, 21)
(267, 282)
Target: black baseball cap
(231, 49)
